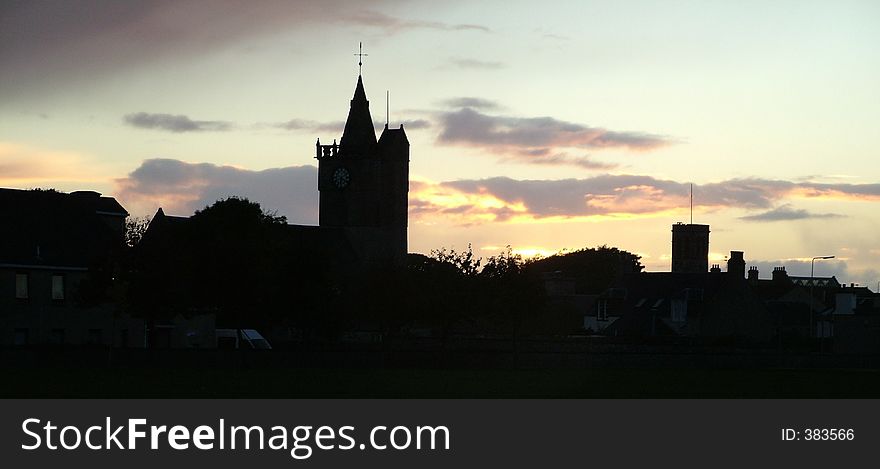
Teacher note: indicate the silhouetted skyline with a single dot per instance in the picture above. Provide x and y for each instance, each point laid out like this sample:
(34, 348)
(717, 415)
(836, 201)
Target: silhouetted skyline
(576, 126)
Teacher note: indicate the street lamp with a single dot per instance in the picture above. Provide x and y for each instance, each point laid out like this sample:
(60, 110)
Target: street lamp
(812, 264)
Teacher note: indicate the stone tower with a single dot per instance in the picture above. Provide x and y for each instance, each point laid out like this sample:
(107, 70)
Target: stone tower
(690, 248)
(364, 186)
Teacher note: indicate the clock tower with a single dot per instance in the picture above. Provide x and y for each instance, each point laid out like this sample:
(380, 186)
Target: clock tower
(364, 183)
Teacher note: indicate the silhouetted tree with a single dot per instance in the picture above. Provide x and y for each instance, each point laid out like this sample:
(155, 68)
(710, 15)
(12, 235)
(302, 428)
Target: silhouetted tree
(594, 269)
(515, 294)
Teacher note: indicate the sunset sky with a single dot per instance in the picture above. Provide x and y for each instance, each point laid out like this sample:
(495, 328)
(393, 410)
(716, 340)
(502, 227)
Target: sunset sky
(543, 125)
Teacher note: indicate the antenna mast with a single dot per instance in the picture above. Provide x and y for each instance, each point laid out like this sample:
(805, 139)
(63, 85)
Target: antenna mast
(692, 203)
(387, 107)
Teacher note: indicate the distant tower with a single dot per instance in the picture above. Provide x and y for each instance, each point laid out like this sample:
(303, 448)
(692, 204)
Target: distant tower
(736, 264)
(364, 185)
(690, 248)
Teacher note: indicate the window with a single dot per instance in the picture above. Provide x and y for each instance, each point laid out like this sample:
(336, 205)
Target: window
(602, 310)
(679, 310)
(21, 286)
(57, 287)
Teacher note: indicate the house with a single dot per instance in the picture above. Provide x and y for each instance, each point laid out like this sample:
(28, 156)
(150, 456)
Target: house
(853, 325)
(58, 255)
(712, 305)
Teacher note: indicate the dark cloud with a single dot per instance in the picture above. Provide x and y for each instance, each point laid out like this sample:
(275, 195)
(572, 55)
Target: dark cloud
(786, 213)
(761, 193)
(460, 62)
(534, 140)
(181, 188)
(58, 44)
(174, 123)
(471, 102)
(471, 127)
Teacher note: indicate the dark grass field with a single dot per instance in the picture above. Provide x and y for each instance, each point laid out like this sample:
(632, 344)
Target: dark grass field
(404, 383)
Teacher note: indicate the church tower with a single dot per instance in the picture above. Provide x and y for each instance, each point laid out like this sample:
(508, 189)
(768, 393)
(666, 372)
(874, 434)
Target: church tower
(364, 184)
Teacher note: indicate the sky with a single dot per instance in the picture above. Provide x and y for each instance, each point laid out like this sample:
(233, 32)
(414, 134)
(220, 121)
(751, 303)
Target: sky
(545, 126)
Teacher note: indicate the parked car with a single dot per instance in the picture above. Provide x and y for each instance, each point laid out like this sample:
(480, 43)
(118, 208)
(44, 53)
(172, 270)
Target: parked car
(241, 339)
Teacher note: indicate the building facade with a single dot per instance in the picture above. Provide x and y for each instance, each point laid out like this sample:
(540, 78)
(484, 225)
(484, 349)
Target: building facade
(58, 253)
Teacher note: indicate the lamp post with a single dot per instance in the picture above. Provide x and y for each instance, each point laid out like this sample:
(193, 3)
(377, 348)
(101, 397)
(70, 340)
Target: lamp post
(812, 264)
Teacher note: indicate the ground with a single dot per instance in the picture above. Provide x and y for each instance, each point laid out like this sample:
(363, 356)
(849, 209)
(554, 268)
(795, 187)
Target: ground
(403, 383)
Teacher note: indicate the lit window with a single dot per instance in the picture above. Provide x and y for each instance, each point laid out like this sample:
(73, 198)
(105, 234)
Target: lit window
(21, 286)
(57, 287)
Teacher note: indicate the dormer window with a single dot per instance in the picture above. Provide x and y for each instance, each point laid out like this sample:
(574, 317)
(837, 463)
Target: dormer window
(21, 286)
(602, 310)
(58, 287)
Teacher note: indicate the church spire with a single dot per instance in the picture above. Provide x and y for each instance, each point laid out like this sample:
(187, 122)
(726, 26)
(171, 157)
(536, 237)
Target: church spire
(359, 135)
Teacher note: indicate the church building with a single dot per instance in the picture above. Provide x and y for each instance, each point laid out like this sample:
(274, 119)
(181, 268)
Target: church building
(363, 185)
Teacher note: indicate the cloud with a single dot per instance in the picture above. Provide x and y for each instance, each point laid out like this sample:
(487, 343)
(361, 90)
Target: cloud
(56, 44)
(310, 125)
(174, 123)
(394, 25)
(336, 127)
(180, 188)
(470, 127)
(761, 193)
(411, 124)
(535, 140)
(498, 199)
(785, 213)
(543, 156)
(471, 102)
(466, 63)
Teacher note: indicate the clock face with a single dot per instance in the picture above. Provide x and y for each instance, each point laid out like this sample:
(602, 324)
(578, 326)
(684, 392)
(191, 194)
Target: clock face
(341, 178)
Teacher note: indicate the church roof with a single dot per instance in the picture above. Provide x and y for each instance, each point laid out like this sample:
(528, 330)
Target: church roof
(359, 135)
(393, 136)
(314, 245)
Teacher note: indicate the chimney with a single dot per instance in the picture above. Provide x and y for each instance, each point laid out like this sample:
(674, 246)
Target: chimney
(753, 275)
(779, 274)
(736, 265)
(716, 269)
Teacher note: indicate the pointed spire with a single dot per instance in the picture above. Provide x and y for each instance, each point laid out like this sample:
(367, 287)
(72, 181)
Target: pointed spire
(359, 135)
(359, 94)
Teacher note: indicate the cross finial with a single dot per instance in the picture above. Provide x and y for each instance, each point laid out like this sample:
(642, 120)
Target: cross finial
(361, 56)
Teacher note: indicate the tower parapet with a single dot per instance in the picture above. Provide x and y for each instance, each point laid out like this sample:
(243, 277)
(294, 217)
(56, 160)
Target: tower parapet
(690, 248)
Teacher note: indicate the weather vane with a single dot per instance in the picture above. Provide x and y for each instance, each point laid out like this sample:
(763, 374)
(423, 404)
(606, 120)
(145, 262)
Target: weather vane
(361, 56)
